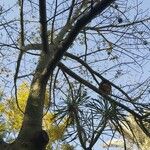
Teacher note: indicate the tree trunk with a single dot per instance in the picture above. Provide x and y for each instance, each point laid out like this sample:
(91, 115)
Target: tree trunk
(31, 133)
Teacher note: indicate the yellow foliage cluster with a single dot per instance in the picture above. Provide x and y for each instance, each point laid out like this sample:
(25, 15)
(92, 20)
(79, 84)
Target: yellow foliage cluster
(12, 113)
(67, 147)
(14, 117)
(54, 130)
(2, 108)
(2, 127)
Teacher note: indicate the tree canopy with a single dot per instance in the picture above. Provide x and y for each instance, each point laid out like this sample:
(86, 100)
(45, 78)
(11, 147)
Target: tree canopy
(73, 71)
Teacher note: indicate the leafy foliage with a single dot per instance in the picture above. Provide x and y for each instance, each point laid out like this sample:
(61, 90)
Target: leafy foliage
(13, 118)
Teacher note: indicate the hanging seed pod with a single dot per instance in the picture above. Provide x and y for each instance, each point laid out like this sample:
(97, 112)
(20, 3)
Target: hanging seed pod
(120, 20)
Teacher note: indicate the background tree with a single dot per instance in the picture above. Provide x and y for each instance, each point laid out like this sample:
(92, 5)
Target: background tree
(71, 47)
(133, 134)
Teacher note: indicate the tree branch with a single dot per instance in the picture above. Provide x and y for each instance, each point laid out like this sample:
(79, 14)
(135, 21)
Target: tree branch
(43, 25)
(79, 25)
(89, 85)
(96, 73)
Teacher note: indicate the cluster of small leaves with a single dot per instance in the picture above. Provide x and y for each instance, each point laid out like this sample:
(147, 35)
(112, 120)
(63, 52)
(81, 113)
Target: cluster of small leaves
(67, 147)
(12, 117)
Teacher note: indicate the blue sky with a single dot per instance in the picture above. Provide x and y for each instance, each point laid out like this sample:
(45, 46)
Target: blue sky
(146, 4)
